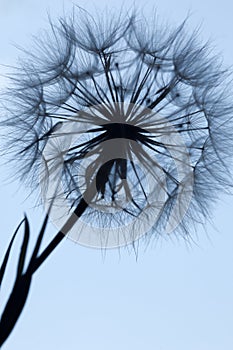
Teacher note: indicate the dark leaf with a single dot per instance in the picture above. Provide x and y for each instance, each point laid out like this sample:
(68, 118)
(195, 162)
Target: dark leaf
(23, 248)
(6, 257)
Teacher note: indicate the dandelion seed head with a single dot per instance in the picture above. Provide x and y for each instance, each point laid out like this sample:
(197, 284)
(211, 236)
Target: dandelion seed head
(130, 115)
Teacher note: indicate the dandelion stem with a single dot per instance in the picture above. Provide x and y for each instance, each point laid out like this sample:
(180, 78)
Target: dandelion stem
(81, 207)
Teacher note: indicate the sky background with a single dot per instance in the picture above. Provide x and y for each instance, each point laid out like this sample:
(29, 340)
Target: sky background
(175, 296)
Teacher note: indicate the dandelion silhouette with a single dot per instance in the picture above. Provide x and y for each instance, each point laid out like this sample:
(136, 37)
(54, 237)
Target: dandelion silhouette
(125, 124)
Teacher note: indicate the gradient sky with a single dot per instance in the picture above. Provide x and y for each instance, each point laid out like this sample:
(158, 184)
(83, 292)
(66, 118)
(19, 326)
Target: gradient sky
(175, 296)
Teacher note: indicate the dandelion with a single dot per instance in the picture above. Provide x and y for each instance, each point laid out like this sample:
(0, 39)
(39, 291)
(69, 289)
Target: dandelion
(123, 121)
(125, 124)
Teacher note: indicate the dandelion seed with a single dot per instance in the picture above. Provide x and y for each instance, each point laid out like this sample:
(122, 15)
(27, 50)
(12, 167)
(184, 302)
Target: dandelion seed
(131, 117)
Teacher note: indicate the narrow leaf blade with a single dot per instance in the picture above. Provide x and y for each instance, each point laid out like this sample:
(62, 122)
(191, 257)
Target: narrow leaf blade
(6, 257)
(23, 248)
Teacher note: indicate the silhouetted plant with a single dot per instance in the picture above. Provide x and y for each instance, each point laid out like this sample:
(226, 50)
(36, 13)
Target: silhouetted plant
(20, 290)
(102, 102)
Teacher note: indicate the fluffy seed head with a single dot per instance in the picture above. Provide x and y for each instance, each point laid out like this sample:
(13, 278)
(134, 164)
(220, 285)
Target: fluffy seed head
(130, 115)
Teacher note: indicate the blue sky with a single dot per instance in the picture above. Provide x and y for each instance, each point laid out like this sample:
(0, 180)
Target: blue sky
(174, 297)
